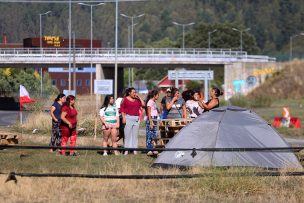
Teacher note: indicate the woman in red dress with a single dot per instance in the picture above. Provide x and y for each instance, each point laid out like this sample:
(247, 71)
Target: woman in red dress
(68, 124)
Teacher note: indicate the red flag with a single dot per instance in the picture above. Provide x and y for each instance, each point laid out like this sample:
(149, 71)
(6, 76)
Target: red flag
(24, 97)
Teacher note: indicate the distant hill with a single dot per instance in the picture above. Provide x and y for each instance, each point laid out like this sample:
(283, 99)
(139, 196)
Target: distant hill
(287, 83)
(272, 22)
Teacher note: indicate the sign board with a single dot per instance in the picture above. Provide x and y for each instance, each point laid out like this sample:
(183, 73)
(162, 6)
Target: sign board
(67, 92)
(103, 86)
(190, 75)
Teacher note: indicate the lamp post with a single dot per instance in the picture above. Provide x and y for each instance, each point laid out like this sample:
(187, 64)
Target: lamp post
(40, 25)
(183, 26)
(132, 36)
(291, 38)
(70, 42)
(116, 46)
(132, 25)
(209, 38)
(241, 35)
(91, 72)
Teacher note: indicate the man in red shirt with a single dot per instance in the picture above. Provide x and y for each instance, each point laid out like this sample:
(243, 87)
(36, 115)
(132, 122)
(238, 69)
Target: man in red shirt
(129, 109)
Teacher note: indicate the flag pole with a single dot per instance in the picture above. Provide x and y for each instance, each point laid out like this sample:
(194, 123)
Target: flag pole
(20, 115)
(20, 104)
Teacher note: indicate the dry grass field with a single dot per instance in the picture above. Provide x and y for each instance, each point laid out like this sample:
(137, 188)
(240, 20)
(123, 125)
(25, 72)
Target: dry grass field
(218, 187)
(213, 189)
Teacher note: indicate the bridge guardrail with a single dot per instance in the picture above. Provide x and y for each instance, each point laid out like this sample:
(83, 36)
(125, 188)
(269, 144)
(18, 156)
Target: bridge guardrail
(133, 53)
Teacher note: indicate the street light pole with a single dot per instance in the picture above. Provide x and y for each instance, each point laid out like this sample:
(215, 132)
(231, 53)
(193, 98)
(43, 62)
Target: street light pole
(241, 36)
(183, 26)
(116, 45)
(70, 36)
(40, 25)
(132, 25)
(91, 71)
(291, 38)
(129, 45)
(209, 38)
(132, 36)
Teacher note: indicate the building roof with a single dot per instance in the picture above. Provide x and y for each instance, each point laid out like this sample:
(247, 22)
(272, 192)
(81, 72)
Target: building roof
(165, 82)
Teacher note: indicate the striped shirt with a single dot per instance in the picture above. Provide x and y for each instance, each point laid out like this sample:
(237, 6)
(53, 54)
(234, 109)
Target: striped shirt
(109, 114)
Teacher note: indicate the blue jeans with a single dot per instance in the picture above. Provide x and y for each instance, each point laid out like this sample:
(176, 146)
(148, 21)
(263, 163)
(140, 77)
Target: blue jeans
(150, 133)
(164, 114)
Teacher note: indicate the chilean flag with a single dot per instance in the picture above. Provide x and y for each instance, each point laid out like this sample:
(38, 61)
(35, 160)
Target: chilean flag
(24, 97)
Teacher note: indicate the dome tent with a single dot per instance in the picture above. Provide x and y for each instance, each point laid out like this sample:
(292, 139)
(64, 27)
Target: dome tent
(227, 127)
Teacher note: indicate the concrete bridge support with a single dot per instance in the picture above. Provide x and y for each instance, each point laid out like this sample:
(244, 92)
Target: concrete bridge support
(107, 73)
(241, 77)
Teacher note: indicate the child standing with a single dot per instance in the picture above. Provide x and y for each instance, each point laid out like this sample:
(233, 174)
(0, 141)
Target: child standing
(109, 117)
(152, 113)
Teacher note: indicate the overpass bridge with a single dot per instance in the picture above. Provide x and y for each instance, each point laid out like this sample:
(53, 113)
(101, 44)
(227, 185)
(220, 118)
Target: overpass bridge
(133, 57)
(237, 65)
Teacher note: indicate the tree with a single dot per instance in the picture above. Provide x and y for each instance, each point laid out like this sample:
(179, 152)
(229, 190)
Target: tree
(224, 37)
(11, 79)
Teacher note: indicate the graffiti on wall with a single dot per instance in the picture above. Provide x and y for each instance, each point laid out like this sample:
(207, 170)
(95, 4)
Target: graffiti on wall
(242, 86)
(263, 71)
(251, 81)
(238, 86)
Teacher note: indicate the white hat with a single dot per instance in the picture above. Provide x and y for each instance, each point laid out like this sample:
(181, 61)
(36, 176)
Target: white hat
(168, 90)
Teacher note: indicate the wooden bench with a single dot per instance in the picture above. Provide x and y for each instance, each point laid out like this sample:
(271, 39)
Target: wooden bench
(8, 138)
(168, 128)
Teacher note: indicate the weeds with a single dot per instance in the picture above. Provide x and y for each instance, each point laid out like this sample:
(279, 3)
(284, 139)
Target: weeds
(261, 101)
(239, 100)
(253, 102)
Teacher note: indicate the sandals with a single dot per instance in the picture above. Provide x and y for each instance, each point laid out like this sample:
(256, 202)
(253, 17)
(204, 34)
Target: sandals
(75, 154)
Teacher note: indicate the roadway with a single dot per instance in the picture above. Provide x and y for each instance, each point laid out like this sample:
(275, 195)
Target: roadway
(8, 118)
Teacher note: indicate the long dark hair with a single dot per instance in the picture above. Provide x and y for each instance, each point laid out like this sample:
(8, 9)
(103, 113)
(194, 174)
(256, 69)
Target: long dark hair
(173, 91)
(59, 97)
(150, 95)
(106, 101)
(68, 100)
(129, 90)
(187, 94)
(217, 91)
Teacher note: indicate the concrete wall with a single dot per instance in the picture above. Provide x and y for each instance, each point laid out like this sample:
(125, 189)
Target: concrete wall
(108, 73)
(241, 78)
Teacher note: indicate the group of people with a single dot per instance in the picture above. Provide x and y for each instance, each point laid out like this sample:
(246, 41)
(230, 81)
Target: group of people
(123, 115)
(175, 106)
(64, 122)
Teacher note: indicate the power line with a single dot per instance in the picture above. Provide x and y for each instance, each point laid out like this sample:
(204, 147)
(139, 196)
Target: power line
(12, 175)
(194, 150)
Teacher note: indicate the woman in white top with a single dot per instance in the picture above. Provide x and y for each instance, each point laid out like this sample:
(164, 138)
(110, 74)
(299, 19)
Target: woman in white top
(109, 117)
(152, 113)
(193, 106)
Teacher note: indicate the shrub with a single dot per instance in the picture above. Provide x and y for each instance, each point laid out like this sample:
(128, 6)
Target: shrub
(38, 120)
(261, 101)
(239, 100)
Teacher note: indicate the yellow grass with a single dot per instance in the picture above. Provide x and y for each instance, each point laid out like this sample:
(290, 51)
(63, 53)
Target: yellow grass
(216, 188)
(219, 187)
(210, 189)
(87, 117)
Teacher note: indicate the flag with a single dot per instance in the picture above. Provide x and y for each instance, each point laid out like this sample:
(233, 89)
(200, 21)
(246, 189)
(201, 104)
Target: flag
(24, 97)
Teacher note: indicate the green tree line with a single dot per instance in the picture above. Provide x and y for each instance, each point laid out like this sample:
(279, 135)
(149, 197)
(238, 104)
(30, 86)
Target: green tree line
(271, 24)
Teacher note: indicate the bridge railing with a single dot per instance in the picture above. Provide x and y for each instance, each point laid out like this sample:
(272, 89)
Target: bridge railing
(127, 52)
(120, 51)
